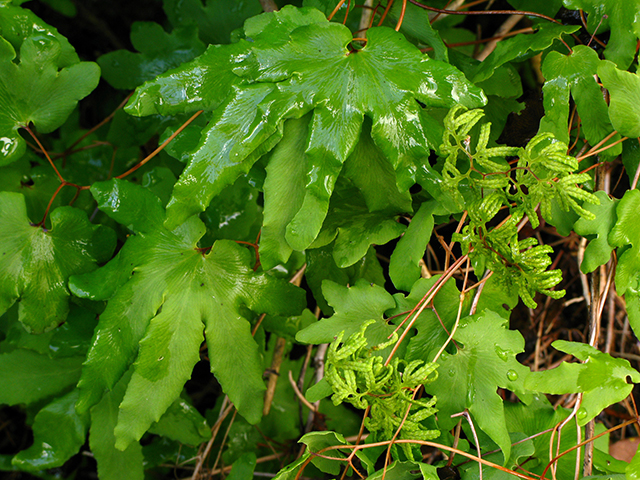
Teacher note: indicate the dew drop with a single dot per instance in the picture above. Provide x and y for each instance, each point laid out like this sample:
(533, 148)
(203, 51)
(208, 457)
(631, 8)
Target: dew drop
(452, 372)
(502, 354)
(582, 413)
(512, 375)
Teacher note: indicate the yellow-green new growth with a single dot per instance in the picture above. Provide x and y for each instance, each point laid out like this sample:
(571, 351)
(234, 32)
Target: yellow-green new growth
(359, 376)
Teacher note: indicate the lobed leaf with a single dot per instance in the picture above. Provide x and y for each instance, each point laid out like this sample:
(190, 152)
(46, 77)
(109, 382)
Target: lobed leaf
(623, 87)
(598, 252)
(620, 18)
(601, 379)
(159, 52)
(469, 379)
(167, 292)
(35, 89)
(307, 64)
(38, 262)
(574, 74)
(352, 305)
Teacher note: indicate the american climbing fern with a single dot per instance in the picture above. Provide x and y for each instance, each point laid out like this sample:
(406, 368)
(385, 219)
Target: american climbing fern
(543, 176)
(359, 376)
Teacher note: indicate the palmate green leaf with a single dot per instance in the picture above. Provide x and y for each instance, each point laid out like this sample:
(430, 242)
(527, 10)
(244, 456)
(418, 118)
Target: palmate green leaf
(598, 252)
(626, 237)
(431, 333)
(521, 47)
(620, 18)
(601, 379)
(34, 89)
(353, 227)
(216, 19)
(404, 268)
(59, 432)
(624, 88)
(36, 262)
(162, 292)
(353, 305)
(484, 362)
(159, 51)
(574, 73)
(321, 266)
(18, 23)
(292, 71)
(104, 418)
(33, 377)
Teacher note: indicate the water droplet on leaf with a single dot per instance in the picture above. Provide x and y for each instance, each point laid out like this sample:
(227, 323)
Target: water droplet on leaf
(512, 375)
(502, 354)
(582, 413)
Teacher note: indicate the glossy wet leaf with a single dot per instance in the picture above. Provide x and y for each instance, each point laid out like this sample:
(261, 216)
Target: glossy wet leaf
(290, 68)
(602, 379)
(352, 305)
(625, 233)
(624, 88)
(162, 293)
(431, 334)
(216, 19)
(620, 18)
(353, 227)
(34, 377)
(574, 74)
(33, 89)
(58, 431)
(183, 423)
(104, 418)
(404, 268)
(321, 266)
(158, 50)
(485, 361)
(38, 262)
(521, 47)
(16, 24)
(598, 252)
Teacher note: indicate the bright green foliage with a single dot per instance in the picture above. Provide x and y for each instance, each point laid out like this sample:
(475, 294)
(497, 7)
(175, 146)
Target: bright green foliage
(618, 17)
(37, 262)
(474, 180)
(404, 269)
(58, 431)
(359, 376)
(163, 291)
(104, 418)
(521, 47)
(598, 252)
(39, 86)
(352, 305)
(159, 51)
(431, 334)
(34, 377)
(599, 389)
(626, 236)
(336, 82)
(574, 73)
(347, 156)
(623, 87)
(485, 360)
